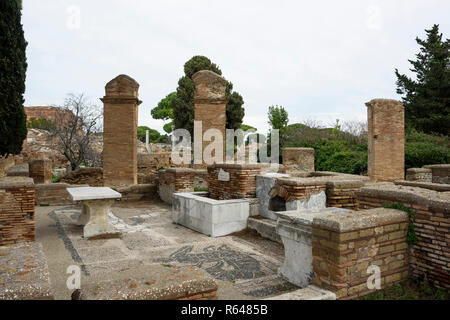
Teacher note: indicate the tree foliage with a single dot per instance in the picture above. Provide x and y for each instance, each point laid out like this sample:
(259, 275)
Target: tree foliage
(183, 106)
(427, 97)
(164, 111)
(153, 135)
(13, 68)
(278, 117)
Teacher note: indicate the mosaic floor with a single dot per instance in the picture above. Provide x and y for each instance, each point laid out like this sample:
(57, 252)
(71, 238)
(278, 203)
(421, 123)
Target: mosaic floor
(248, 262)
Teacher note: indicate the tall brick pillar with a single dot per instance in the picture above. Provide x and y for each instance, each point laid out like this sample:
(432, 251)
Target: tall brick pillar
(120, 118)
(210, 104)
(386, 140)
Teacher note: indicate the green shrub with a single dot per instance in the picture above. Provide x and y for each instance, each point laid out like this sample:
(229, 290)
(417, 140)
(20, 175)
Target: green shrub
(41, 123)
(418, 154)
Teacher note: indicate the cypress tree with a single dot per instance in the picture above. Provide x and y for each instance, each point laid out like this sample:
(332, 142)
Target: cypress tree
(183, 106)
(12, 78)
(427, 98)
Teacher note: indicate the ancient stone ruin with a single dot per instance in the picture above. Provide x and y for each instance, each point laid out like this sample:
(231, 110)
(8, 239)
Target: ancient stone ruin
(152, 230)
(120, 117)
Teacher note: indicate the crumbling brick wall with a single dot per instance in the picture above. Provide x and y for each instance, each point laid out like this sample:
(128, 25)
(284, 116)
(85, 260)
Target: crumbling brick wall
(241, 183)
(419, 174)
(344, 246)
(173, 180)
(40, 171)
(298, 159)
(16, 210)
(431, 255)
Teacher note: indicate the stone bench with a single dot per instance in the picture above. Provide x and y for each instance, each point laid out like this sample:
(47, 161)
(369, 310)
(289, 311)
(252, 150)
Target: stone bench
(96, 203)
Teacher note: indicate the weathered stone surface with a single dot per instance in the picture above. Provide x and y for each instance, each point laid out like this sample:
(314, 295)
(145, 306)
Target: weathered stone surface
(386, 140)
(211, 217)
(265, 227)
(160, 283)
(298, 159)
(440, 172)
(120, 117)
(265, 183)
(355, 220)
(419, 174)
(19, 170)
(440, 187)
(24, 273)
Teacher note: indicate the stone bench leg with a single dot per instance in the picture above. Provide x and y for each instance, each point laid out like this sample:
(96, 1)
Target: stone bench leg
(96, 213)
(83, 219)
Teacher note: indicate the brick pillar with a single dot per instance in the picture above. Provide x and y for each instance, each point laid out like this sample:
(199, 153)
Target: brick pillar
(120, 117)
(386, 140)
(210, 104)
(41, 171)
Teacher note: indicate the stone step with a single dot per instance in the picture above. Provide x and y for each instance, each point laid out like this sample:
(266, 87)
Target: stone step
(265, 227)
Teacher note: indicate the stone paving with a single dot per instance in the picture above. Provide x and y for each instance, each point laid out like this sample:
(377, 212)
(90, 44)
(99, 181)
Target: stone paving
(24, 272)
(244, 261)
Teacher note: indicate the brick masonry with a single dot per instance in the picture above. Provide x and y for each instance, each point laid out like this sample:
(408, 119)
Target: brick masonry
(16, 210)
(431, 255)
(241, 184)
(40, 171)
(344, 247)
(419, 174)
(342, 194)
(172, 180)
(440, 172)
(210, 107)
(120, 116)
(386, 140)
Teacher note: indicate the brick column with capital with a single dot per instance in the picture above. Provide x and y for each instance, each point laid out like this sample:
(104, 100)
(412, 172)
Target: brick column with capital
(210, 105)
(120, 119)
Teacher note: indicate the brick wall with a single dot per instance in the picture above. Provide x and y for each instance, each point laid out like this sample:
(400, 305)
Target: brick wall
(16, 210)
(419, 174)
(431, 255)
(173, 180)
(342, 194)
(440, 172)
(242, 182)
(345, 245)
(120, 116)
(40, 171)
(386, 140)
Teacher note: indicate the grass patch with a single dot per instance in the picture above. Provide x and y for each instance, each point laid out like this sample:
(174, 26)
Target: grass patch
(410, 290)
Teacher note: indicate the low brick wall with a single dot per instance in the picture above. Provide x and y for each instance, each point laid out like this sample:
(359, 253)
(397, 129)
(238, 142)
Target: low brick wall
(173, 180)
(241, 183)
(16, 210)
(41, 171)
(91, 176)
(419, 174)
(345, 245)
(441, 173)
(55, 194)
(342, 194)
(431, 255)
(137, 192)
(19, 170)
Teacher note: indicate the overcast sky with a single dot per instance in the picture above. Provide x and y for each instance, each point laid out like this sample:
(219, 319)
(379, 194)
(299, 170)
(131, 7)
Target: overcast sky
(321, 60)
